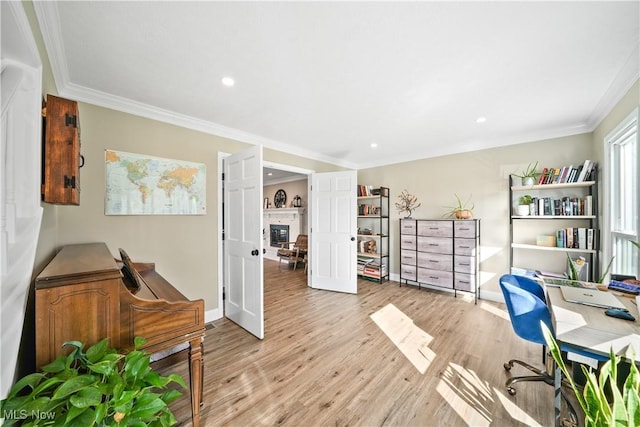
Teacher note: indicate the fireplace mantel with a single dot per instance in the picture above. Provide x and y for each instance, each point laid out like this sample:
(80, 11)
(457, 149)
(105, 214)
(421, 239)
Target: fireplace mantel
(282, 212)
(293, 217)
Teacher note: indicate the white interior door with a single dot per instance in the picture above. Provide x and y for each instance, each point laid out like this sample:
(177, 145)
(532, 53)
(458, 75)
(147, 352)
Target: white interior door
(243, 274)
(334, 231)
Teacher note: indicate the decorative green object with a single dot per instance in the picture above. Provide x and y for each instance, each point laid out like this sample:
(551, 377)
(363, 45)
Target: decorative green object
(575, 275)
(525, 200)
(100, 387)
(408, 203)
(603, 403)
(461, 210)
(529, 175)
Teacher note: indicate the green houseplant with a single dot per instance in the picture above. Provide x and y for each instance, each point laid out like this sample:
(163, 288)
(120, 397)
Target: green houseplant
(529, 174)
(97, 387)
(523, 205)
(603, 403)
(461, 210)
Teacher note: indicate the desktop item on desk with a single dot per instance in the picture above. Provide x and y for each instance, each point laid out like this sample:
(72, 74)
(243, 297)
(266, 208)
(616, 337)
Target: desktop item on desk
(620, 314)
(591, 297)
(628, 287)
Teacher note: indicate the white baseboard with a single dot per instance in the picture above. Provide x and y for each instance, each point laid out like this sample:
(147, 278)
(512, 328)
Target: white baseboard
(211, 315)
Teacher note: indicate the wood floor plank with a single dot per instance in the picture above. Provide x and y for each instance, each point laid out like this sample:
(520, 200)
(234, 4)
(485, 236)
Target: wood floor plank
(324, 361)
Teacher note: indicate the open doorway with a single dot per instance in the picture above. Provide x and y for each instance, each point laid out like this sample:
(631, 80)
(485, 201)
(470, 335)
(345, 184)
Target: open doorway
(285, 206)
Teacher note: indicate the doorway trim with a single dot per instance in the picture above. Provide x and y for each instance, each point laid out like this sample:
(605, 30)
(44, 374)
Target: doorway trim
(218, 313)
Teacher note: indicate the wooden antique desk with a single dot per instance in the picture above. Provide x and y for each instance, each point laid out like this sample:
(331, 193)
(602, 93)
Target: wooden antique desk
(589, 328)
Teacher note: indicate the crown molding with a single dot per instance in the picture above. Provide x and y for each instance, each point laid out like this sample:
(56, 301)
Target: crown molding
(49, 22)
(618, 88)
(481, 144)
(48, 19)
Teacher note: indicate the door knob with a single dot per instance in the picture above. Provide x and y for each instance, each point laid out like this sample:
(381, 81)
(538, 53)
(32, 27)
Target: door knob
(255, 252)
(353, 239)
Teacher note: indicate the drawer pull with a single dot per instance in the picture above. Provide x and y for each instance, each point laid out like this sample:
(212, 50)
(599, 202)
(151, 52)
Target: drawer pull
(464, 229)
(464, 247)
(433, 244)
(464, 263)
(434, 261)
(434, 277)
(463, 281)
(434, 228)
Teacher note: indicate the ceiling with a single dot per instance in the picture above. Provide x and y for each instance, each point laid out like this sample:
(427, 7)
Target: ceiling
(326, 80)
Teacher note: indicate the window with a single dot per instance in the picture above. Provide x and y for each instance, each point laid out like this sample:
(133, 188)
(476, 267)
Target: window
(624, 196)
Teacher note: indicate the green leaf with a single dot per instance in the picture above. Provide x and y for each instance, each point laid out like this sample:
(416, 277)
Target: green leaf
(140, 367)
(90, 396)
(167, 419)
(177, 379)
(73, 385)
(606, 270)
(56, 366)
(77, 347)
(147, 406)
(105, 367)
(73, 413)
(45, 385)
(170, 395)
(31, 380)
(98, 350)
(85, 418)
(125, 399)
(39, 405)
(138, 342)
(100, 413)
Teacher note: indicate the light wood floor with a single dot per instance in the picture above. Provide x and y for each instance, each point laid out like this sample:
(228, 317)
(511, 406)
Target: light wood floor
(325, 362)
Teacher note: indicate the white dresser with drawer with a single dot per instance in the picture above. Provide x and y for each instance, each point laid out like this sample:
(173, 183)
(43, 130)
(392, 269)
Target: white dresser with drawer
(442, 253)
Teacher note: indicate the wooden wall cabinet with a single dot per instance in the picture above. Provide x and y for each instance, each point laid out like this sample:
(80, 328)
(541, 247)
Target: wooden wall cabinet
(61, 152)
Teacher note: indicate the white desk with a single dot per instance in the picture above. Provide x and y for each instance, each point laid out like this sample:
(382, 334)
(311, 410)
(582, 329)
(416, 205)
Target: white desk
(589, 328)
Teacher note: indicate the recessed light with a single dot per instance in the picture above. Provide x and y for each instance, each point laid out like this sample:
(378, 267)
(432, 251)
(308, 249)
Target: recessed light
(481, 119)
(228, 81)
(373, 145)
(270, 174)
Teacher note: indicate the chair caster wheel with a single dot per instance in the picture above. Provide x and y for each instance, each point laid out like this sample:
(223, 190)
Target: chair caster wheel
(511, 391)
(507, 366)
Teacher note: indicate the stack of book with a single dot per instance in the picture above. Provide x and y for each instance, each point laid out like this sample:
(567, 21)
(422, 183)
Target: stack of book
(565, 174)
(565, 206)
(374, 270)
(365, 210)
(576, 238)
(362, 262)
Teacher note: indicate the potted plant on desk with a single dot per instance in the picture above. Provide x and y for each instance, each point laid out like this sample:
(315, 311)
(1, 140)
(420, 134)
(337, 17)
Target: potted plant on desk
(603, 403)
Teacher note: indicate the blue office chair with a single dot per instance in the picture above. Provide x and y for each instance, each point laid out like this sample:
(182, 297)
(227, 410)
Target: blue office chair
(527, 309)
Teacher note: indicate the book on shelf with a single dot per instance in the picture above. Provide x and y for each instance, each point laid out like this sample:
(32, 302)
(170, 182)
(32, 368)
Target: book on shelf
(568, 173)
(565, 206)
(575, 238)
(369, 190)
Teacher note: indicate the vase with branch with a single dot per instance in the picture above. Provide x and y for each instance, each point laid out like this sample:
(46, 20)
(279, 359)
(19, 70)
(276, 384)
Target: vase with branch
(408, 203)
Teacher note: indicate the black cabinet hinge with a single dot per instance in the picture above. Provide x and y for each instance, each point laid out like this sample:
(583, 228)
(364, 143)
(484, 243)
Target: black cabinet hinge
(69, 181)
(70, 120)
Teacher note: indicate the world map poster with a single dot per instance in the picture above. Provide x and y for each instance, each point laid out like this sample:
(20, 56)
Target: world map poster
(144, 185)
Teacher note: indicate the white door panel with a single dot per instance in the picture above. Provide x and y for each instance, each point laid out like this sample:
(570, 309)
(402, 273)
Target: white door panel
(243, 278)
(333, 231)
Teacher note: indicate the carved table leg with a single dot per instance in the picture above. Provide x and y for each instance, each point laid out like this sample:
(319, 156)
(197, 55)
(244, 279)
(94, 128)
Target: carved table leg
(195, 376)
